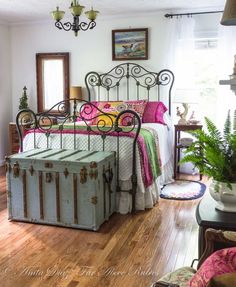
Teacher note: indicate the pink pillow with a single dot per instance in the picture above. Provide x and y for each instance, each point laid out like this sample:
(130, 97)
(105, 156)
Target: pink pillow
(154, 113)
(220, 262)
(136, 106)
(88, 112)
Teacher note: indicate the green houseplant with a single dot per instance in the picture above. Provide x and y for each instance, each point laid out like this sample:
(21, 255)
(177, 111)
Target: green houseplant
(214, 154)
(24, 100)
(23, 104)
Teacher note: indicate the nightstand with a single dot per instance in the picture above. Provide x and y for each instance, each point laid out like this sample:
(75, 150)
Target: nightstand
(178, 146)
(13, 139)
(14, 142)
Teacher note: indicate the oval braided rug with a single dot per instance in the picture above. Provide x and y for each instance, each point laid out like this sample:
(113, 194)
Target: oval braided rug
(183, 190)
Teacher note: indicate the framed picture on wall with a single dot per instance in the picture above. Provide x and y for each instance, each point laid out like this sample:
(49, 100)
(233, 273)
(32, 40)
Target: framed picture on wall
(130, 44)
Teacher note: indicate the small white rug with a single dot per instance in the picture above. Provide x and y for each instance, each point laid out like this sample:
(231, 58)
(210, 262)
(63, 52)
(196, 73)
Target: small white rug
(183, 190)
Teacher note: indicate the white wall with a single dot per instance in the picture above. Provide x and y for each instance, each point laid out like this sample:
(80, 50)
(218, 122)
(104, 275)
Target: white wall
(91, 50)
(5, 90)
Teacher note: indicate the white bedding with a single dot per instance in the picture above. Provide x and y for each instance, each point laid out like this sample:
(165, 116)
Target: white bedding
(145, 198)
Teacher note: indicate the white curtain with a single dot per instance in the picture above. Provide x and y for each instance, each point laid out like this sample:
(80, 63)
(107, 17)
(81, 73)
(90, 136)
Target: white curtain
(226, 99)
(171, 42)
(181, 61)
(180, 57)
(180, 45)
(184, 53)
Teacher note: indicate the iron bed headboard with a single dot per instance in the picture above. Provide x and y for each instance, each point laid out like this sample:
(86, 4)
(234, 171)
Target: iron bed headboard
(124, 74)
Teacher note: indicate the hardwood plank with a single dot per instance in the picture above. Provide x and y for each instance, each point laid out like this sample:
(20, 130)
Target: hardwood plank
(128, 250)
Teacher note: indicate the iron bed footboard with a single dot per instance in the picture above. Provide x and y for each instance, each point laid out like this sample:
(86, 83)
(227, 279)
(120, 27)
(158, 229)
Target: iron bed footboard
(69, 112)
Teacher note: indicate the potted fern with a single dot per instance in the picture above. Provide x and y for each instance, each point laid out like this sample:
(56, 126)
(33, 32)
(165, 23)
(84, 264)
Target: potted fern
(214, 154)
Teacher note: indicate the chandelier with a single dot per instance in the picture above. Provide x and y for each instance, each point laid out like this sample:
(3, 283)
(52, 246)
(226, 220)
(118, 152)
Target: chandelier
(76, 11)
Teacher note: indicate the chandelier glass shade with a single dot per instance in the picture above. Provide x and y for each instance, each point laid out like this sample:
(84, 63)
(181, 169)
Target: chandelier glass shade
(77, 25)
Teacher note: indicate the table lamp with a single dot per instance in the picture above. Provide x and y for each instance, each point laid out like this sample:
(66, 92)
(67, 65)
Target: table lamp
(76, 93)
(185, 97)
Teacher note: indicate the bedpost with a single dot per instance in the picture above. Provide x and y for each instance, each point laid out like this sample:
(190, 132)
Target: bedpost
(166, 77)
(92, 79)
(134, 126)
(25, 119)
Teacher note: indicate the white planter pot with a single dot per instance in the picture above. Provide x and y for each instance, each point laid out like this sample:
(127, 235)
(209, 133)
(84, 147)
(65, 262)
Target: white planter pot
(224, 196)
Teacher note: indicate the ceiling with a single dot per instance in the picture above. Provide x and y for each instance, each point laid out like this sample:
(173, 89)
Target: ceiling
(21, 11)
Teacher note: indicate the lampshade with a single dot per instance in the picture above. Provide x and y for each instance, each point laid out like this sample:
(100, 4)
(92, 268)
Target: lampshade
(76, 93)
(229, 14)
(186, 96)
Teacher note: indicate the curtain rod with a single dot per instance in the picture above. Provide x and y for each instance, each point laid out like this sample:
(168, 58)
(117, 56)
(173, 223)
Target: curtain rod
(190, 14)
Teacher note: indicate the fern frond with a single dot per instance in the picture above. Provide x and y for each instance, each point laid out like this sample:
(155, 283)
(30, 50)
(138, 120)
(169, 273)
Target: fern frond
(234, 123)
(227, 126)
(213, 130)
(213, 153)
(202, 137)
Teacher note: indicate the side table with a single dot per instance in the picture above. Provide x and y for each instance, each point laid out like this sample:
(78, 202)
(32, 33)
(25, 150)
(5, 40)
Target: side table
(178, 146)
(209, 217)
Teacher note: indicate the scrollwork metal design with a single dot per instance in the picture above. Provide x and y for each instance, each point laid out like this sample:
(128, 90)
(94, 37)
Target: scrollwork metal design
(165, 77)
(45, 122)
(76, 26)
(128, 121)
(97, 121)
(143, 78)
(104, 125)
(66, 26)
(85, 26)
(25, 120)
(93, 79)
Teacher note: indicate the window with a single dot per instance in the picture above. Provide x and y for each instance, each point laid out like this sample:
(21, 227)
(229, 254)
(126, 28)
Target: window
(206, 76)
(196, 73)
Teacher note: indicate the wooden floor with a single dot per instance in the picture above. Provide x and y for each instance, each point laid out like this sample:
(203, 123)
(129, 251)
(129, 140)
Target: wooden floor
(131, 250)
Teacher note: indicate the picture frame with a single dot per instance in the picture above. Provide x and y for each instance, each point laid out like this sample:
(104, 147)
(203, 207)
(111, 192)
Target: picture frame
(130, 44)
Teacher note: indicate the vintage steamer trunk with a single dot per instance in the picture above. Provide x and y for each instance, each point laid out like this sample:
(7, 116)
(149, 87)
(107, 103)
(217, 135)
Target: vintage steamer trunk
(69, 188)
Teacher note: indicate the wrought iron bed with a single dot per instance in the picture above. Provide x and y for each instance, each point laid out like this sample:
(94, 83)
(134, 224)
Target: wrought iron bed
(66, 114)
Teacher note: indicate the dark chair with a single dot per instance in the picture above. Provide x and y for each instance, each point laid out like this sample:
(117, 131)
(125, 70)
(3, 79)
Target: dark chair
(215, 239)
